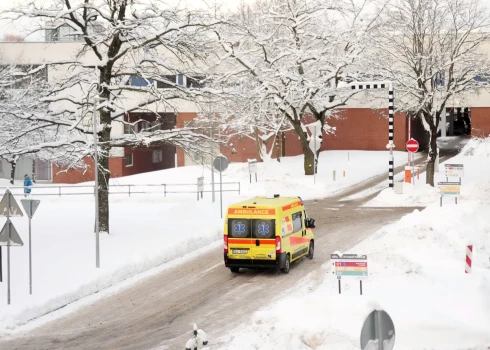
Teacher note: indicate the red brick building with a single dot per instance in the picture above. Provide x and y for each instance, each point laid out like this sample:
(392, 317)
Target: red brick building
(355, 129)
(128, 161)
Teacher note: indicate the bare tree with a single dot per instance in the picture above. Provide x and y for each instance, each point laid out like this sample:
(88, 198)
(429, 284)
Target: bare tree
(120, 42)
(19, 95)
(293, 57)
(432, 50)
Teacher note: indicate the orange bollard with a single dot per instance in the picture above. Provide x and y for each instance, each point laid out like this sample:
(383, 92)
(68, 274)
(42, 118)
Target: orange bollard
(408, 174)
(418, 173)
(344, 173)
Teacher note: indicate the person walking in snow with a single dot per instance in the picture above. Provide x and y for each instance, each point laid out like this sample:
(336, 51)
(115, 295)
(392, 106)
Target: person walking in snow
(27, 184)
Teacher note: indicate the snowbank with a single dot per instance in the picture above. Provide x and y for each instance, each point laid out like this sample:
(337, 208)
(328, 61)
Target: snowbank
(147, 230)
(416, 274)
(475, 158)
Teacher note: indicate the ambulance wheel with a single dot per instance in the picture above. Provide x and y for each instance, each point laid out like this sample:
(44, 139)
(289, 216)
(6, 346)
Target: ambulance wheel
(312, 250)
(286, 267)
(235, 269)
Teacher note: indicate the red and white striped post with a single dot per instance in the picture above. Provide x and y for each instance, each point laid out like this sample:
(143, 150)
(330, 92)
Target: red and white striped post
(469, 258)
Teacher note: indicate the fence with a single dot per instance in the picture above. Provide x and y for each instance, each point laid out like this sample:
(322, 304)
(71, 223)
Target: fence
(129, 189)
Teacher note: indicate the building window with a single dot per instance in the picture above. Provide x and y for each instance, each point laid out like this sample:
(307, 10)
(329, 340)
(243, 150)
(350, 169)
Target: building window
(181, 80)
(127, 129)
(157, 156)
(141, 82)
(195, 82)
(144, 125)
(440, 78)
(63, 33)
(129, 159)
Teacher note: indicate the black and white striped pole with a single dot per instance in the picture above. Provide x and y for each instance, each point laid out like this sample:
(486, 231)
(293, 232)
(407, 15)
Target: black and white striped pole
(391, 119)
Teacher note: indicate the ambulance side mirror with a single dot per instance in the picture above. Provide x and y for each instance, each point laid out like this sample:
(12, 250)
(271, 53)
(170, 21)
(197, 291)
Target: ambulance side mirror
(310, 223)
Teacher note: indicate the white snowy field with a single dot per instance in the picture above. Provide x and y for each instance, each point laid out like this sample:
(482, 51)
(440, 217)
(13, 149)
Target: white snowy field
(147, 230)
(416, 274)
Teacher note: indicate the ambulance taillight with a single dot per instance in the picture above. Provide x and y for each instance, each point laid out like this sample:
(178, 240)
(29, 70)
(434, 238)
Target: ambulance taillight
(278, 245)
(225, 243)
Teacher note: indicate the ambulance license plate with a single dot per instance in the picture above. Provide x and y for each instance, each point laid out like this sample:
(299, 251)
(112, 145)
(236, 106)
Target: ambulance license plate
(239, 251)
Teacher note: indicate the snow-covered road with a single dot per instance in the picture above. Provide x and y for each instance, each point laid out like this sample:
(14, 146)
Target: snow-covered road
(158, 311)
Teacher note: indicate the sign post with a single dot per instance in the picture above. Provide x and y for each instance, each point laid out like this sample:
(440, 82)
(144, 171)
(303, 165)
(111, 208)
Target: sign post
(252, 168)
(30, 206)
(452, 188)
(412, 147)
(350, 266)
(200, 186)
(9, 235)
(220, 163)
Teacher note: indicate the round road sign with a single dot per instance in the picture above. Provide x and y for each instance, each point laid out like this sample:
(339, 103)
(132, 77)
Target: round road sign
(412, 145)
(378, 329)
(220, 163)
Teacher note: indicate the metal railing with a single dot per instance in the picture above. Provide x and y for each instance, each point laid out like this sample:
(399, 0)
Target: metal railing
(129, 189)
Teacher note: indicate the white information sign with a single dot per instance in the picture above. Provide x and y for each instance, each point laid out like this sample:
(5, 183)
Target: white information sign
(252, 166)
(454, 170)
(200, 184)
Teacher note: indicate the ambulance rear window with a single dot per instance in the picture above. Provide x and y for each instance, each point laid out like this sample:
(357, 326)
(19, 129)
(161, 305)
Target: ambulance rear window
(239, 228)
(263, 228)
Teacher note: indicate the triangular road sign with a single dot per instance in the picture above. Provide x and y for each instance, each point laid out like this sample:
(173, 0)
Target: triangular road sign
(14, 236)
(30, 206)
(14, 206)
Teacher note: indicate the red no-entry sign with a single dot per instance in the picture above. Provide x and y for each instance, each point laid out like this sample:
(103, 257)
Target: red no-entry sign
(412, 145)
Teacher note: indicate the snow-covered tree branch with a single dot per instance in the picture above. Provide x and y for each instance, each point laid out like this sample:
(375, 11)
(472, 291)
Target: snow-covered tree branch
(129, 56)
(291, 59)
(433, 47)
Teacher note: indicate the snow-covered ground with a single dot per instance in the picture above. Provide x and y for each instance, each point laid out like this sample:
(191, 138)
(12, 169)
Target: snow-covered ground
(147, 230)
(416, 274)
(474, 156)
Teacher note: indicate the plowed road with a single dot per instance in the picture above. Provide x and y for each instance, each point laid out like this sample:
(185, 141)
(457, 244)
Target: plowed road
(157, 312)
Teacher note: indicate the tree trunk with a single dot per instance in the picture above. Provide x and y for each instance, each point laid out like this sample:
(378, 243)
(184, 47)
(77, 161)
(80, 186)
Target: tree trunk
(283, 144)
(12, 172)
(33, 170)
(309, 159)
(104, 177)
(104, 174)
(258, 145)
(432, 157)
(278, 147)
(309, 156)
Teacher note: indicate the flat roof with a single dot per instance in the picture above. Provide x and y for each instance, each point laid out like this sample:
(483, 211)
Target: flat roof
(263, 201)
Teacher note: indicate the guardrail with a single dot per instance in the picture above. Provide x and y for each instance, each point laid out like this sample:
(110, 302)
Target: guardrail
(129, 189)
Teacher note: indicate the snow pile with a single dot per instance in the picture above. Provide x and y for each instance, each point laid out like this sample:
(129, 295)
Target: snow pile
(416, 274)
(147, 230)
(412, 195)
(477, 147)
(474, 157)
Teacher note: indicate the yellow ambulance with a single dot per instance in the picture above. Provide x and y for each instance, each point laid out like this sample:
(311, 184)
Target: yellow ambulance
(267, 232)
